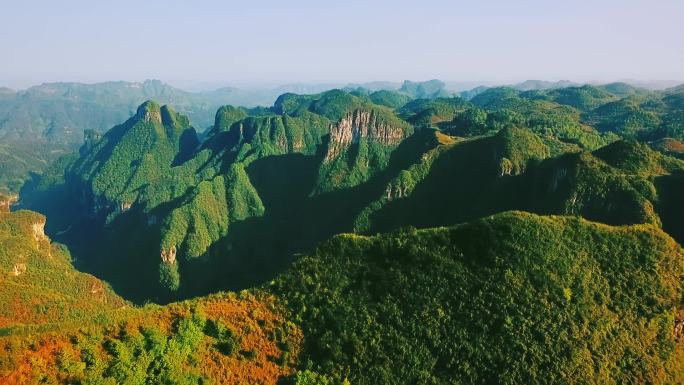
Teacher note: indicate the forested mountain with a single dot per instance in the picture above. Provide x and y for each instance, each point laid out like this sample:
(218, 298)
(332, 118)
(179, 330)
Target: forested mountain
(269, 173)
(58, 325)
(521, 236)
(41, 123)
(513, 298)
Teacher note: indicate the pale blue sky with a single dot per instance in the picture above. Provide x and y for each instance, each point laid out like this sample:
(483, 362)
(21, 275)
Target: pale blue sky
(260, 41)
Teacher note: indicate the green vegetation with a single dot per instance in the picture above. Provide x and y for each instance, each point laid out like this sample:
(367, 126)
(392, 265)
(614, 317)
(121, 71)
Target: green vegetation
(58, 325)
(391, 99)
(428, 112)
(187, 214)
(509, 299)
(38, 284)
(420, 90)
(626, 116)
(502, 296)
(583, 98)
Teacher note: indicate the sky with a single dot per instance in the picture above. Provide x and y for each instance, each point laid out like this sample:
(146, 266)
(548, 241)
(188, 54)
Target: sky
(259, 42)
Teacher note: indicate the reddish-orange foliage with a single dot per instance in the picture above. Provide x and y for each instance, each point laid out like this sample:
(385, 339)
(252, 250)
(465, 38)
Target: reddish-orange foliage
(37, 361)
(253, 320)
(673, 145)
(26, 359)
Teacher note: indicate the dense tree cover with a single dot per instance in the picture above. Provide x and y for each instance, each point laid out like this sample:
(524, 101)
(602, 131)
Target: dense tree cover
(428, 112)
(575, 114)
(177, 198)
(514, 298)
(41, 123)
(428, 89)
(507, 106)
(58, 325)
(510, 299)
(221, 339)
(621, 89)
(135, 154)
(368, 152)
(38, 284)
(20, 158)
(669, 146)
(514, 169)
(583, 98)
(163, 213)
(629, 117)
(391, 99)
(148, 194)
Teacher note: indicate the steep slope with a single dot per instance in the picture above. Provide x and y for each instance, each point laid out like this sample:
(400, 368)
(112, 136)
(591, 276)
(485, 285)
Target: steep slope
(513, 298)
(58, 325)
(41, 123)
(132, 155)
(264, 185)
(359, 146)
(510, 299)
(474, 178)
(38, 284)
(536, 111)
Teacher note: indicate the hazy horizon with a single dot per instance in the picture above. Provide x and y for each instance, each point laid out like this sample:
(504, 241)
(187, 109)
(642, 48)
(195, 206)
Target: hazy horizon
(209, 44)
(453, 85)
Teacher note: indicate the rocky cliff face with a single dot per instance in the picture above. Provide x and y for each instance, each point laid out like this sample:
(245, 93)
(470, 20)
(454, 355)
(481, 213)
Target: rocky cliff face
(358, 125)
(679, 326)
(169, 255)
(149, 112)
(90, 138)
(6, 201)
(38, 229)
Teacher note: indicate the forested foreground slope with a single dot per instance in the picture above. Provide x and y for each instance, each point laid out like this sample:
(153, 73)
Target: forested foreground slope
(60, 326)
(509, 299)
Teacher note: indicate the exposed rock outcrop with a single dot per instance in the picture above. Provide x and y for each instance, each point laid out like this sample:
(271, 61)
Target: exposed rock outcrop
(6, 201)
(149, 112)
(679, 326)
(38, 229)
(358, 125)
(19, 269)
(169, 255)
(90, 138)
(396, 191)
(124, 206)
(505, 167)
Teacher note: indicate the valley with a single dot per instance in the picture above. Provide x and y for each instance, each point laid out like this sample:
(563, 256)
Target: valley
(503, 236)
